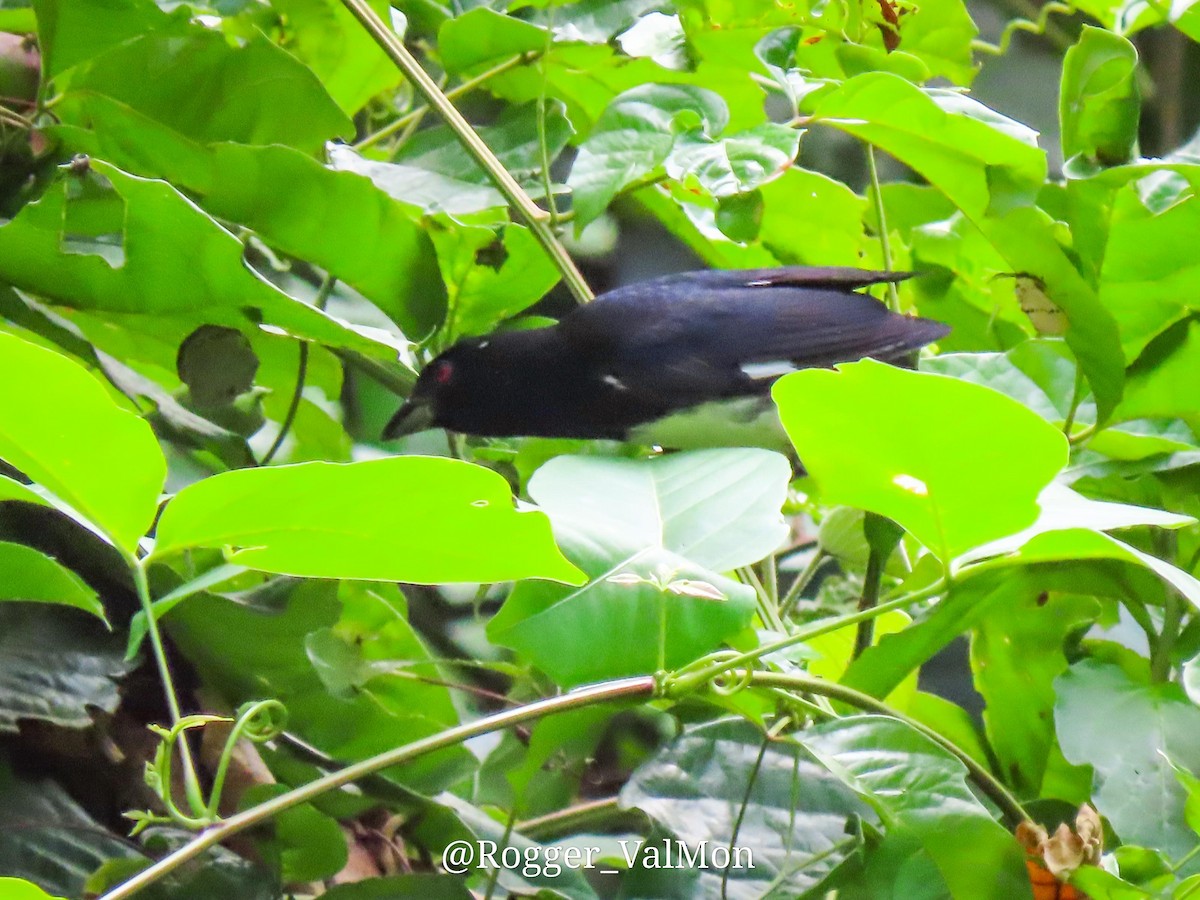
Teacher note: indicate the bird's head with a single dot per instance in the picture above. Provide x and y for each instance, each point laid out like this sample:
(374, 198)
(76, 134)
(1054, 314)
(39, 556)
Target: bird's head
(443, 386)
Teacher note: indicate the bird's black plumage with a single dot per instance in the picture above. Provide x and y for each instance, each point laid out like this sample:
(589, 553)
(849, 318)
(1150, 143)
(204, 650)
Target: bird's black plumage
(649, 350)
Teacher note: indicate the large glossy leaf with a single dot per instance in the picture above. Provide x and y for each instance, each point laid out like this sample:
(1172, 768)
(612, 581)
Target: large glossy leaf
(71, 31)
(1017, 651)
(56, 666)
(676, 520)
(193, 80)
(414, 518)
(480, 296)
(881, 668)
(940, 433)
(48, 838)
(111, 242)
(62, 430)
(1159, 384)
(1062, 509)
(1098, 102)
(1071, 527)
(634, 136)
(1143, 730)
(338, 220)
(1149, 279)
(920, 791)
(976, 157)
(724, 784)
(1029, 242)
(27, 574)
(20, 889)
(811, 219)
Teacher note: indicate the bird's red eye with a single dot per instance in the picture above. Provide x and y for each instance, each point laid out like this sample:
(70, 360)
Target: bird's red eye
(442, 372)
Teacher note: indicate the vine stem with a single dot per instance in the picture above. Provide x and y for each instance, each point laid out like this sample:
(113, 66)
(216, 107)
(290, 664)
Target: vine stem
(598, 693)
(452, 94)
(688, 680)
(319, 302)
(885, 241)
(534, 216)
(983, 779)
(190, 779)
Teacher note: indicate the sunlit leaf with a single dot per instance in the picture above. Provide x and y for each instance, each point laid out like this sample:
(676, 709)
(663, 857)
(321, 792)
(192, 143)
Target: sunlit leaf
(61, 429)
(416, 519)
(684, 517)
(939, 433)
(1131, 747)
(27, 574)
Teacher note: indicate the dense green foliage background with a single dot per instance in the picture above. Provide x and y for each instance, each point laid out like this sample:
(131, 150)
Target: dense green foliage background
(231, 232)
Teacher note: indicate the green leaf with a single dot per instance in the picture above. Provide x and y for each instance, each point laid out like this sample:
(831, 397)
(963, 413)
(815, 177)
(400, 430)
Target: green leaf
(1016, 653)
(735, 163)
(72, 31)
(920, 793)
(516, 139)
(1062, 509)
(484, 37)
(811, 219)
(490, 275)
(252, 93)
(1158, 383)
(48, 838)
(246, 653)
(27, 574)
(20, 889)
(940, 34)
(414, 519)
(1099, 103)
(1029, 241)
(427, 191)
(1149, 280)
(635, 136)
(940, 433)
(325, 36)
(1131, 747)
(976, 157)
(111, 242)
(629, 525)
(710, 787)
(61, 429)
(56, 666)
(308, 844)
(338, 220)
(1039, 374)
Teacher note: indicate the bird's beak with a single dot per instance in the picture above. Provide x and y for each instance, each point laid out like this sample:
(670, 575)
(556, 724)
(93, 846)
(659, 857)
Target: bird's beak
(415, 415)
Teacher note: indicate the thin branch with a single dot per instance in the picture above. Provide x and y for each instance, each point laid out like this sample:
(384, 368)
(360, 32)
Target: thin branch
(190, 779)
(687, 680)
(323, 293)
(885, 241)
(599, 693)
(534, 216)
(453, 94)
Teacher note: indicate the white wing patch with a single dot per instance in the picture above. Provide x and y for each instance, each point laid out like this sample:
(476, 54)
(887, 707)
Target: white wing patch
(772, 369)
(614, 382)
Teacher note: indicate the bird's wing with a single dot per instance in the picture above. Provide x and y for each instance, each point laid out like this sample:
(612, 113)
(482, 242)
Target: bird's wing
(824, 329)
(723, 327)
(830, 277)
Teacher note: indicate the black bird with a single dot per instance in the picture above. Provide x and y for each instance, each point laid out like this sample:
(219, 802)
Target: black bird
(645, 362)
